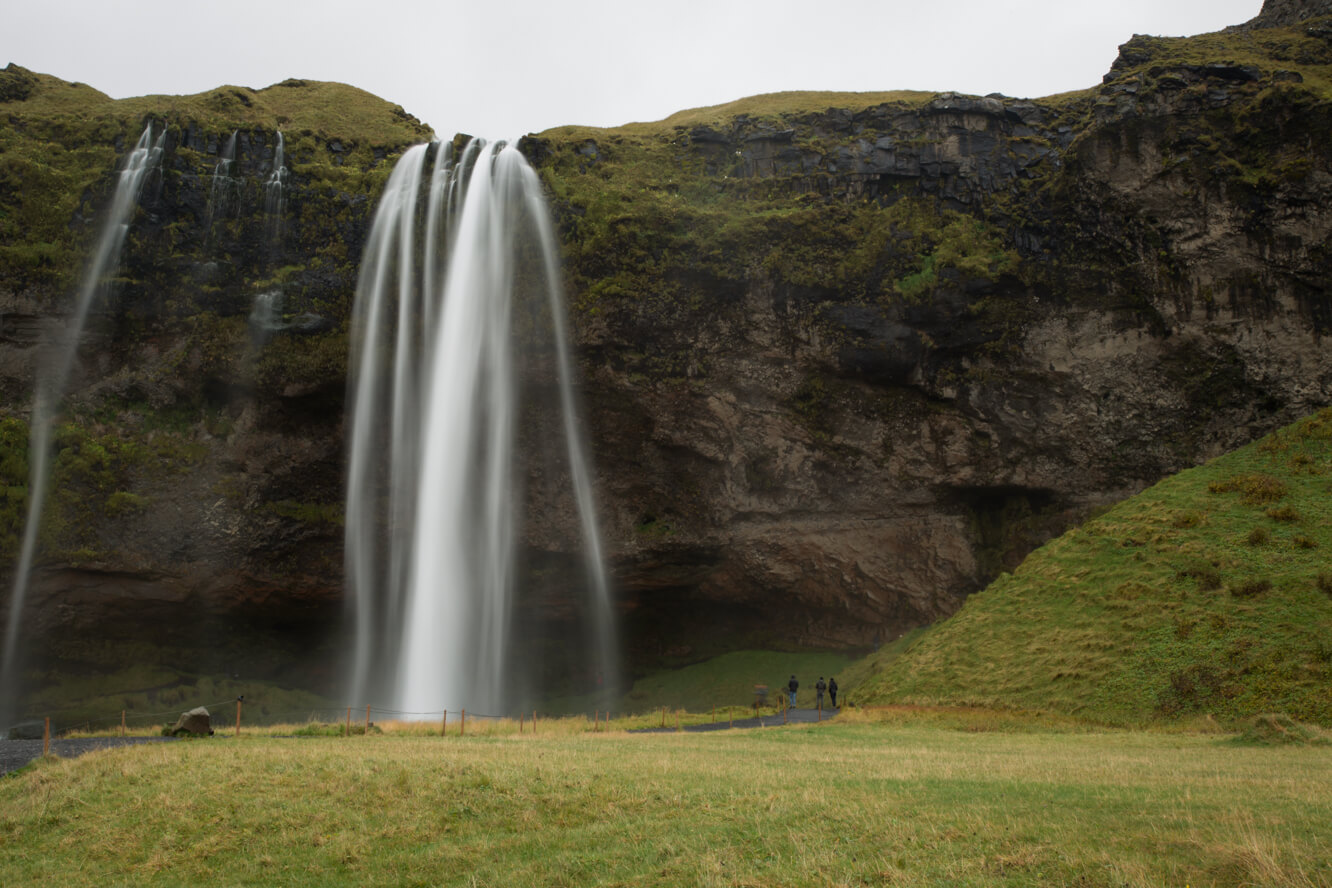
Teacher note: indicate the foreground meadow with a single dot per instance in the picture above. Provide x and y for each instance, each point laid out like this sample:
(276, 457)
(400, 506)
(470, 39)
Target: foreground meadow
(854, 802)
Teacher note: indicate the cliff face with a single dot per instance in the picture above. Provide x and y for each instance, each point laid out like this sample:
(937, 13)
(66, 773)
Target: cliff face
(845, 358)
(195, 512)
(885, 351)
(1286, 13)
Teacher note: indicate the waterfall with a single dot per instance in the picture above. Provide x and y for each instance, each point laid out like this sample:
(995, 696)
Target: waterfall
(432, 493)
(274, 201)
(221, 194)
(51, 382)
(266, 316)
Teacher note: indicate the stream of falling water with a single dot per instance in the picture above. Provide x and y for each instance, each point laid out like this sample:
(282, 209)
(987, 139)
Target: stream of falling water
(431, 528)
(274, 194)
(51, 382)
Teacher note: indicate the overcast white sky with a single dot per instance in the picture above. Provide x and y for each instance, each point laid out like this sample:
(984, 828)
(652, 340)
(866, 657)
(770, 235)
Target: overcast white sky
(502, 69)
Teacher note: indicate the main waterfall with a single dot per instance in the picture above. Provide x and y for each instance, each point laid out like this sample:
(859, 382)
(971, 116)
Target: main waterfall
(445, 312)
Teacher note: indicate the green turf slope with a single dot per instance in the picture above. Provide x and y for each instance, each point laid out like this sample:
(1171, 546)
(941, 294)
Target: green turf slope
(1208, 593)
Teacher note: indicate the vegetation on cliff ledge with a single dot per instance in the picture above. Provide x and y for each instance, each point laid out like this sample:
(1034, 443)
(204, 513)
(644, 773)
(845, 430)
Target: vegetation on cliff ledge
(59, 147)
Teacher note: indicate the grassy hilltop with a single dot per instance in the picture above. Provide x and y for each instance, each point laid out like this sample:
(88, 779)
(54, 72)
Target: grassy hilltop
(61, 143)
(1210, 593)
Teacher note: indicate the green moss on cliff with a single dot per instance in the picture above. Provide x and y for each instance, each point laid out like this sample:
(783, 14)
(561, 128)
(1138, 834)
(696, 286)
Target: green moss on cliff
(59, 150)
(775, 107)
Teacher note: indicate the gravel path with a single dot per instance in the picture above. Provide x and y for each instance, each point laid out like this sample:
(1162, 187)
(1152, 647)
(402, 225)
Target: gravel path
(793, 716)
(14, 754)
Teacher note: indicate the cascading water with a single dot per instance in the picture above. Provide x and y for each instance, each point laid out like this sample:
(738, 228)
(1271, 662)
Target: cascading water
(50, 389)
(432, 489)
(266, 316)
(274, 199)
(224, 190)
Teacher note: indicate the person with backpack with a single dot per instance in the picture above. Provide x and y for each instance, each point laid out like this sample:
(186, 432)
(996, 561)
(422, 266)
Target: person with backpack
(819, 688)
(791, 686)
(832, 691)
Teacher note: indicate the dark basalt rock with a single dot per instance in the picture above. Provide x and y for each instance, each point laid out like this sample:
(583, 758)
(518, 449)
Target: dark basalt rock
(1284, 13)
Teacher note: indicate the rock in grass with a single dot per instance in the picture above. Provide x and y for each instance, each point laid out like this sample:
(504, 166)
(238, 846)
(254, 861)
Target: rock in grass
(196, 722)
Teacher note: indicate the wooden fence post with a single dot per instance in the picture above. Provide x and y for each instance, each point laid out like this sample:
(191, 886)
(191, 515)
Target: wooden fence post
(46, 738)
(534, 722)
(238, 709)
(444, 725)
(367, 719)
(122, 723)
(596, 720)
(520, 723)
(462, 723)
(346, 732)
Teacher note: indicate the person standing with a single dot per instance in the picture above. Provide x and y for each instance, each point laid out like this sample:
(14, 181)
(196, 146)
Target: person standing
(819, 688)
(791, 687)
(832, 690)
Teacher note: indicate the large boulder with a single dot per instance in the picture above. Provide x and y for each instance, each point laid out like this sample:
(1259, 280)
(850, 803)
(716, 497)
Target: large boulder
(195, 722)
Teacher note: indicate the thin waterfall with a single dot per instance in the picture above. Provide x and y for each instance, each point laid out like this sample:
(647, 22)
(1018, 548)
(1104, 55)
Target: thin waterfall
(274, 195)
(51, 383)
(266, 316)
(431, 536)
(224, 187)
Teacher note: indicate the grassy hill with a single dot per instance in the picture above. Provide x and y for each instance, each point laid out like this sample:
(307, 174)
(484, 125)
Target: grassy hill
(1210, 593)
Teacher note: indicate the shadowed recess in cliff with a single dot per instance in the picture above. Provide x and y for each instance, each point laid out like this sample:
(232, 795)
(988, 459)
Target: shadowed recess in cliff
(51, 384)
(458, 302)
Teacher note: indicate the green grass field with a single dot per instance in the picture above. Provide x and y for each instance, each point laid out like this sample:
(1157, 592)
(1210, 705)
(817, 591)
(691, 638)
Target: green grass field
(872, 799)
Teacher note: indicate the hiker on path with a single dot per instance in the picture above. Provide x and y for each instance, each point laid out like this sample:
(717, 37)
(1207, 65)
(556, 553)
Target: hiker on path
(819, 688)
(832, 690)
(791, 686)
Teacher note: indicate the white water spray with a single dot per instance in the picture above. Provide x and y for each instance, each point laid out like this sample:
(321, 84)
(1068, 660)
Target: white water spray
(51, 384)
(431, 524)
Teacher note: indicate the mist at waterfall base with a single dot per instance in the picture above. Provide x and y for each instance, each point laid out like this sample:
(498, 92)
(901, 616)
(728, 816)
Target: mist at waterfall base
(462, 422)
